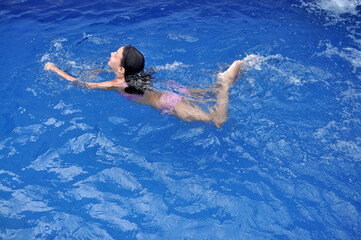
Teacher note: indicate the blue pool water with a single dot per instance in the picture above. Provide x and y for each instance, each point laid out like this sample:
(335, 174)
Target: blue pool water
(81, 164)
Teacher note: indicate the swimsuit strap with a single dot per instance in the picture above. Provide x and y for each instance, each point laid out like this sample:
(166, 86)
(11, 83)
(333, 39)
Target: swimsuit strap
(124, 84)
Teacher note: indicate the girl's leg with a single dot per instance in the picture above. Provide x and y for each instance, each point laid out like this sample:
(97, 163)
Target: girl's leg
(218, 115)
(225, 80)
(190, 113)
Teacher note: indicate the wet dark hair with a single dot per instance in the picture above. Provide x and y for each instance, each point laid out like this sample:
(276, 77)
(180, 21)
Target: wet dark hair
(133, 62)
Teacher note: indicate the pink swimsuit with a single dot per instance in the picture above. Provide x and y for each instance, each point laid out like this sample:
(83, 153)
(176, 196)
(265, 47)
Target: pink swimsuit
(131, 97)
(168, 100)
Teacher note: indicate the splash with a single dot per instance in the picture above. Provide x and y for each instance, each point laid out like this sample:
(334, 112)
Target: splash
(184, 37)
(333, 7)
(339, 6)
(352, 55)
(289, 71)
(171, 66)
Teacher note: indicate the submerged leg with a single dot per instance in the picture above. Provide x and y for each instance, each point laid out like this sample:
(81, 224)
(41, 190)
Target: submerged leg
(190, 113)
(218, 115)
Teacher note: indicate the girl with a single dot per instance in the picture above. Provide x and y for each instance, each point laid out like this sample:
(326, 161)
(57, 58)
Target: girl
(133, 83)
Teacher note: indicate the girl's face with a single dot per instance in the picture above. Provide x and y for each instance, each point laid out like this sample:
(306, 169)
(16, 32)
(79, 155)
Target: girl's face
(116, 59)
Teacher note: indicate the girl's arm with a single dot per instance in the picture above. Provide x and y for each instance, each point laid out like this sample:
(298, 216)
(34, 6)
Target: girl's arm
(108, 85)
(51, 66)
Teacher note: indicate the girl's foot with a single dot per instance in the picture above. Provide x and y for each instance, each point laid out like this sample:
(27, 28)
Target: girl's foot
(229, 76)
(250, 60)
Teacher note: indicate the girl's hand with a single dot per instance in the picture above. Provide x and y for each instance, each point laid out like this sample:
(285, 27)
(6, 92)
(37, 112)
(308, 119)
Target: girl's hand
(50, 66)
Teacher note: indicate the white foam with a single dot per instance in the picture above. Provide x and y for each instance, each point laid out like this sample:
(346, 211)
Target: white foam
(323, 132)
(351, 95)
(99, 41)
(45, 57)
(60, 40)
(349, 54)
(50, 121)
(171, 66)
(295, 80)
(253, 61)
(180, 50)
(117, 120)
(289, 71)
(188, 38)
(5, 189)
(58, 46)
(75, 125)
(180, 37)
(94, 39)
(340, 12)
(334, 7)
(348, 148)
(67, 173)
(66, 109)
(53, 121)
(339, 6)
(77, 145)
(72, 64)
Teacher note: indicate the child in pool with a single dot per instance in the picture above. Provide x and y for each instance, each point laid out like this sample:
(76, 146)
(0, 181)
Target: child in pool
(128, 64)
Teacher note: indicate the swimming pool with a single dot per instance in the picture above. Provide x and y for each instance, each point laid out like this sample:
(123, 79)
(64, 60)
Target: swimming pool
(81, 164)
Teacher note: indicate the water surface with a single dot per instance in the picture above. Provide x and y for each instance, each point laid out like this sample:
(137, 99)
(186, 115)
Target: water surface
(81, 164)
